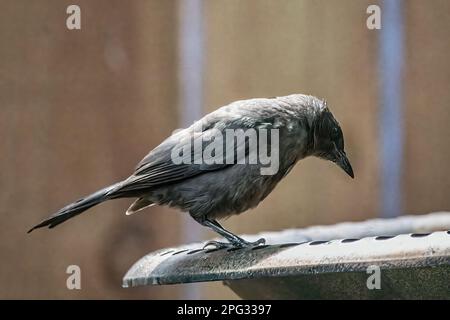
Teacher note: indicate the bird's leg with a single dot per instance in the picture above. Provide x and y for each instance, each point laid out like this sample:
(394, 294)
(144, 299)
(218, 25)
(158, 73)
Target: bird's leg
(234, 240)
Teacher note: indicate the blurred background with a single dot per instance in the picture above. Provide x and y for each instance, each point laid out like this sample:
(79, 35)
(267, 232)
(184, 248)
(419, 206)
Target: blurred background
(80, 108)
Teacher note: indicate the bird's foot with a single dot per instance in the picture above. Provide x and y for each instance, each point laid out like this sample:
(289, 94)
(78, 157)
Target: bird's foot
(217, 245)
(241, 243)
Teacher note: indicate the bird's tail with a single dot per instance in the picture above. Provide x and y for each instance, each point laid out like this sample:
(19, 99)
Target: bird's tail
(78, 207)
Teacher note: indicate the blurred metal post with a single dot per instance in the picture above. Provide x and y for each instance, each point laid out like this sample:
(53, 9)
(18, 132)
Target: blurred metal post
(190, 84)
(391, 118)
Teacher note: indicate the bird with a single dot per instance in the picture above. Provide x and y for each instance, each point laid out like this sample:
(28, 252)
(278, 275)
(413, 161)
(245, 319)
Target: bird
(212, 190)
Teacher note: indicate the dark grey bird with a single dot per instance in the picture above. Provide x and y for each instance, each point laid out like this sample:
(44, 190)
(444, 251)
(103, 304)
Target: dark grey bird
(211, 191)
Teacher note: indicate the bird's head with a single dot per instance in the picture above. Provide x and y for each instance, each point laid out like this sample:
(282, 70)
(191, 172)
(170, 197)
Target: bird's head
(328, 141)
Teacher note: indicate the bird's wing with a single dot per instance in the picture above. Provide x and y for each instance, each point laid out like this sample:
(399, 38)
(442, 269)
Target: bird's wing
(158, 167)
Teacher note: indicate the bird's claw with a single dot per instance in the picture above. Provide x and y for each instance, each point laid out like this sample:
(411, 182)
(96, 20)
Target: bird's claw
(260, 241)
(235, 244)
(217, 245)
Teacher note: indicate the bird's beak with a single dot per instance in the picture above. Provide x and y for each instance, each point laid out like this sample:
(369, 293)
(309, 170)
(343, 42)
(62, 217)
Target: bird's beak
(343, 162)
